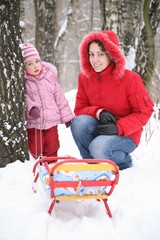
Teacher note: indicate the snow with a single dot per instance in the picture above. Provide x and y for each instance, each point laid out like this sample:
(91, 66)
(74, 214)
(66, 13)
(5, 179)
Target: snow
(134, 202)
(61, 32)
(130, 59)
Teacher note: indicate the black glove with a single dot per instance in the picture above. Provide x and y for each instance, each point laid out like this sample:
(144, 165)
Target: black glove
(106, 117)
(107, 129)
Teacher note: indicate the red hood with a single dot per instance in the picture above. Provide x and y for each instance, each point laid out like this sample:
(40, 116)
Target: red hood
(110, 41)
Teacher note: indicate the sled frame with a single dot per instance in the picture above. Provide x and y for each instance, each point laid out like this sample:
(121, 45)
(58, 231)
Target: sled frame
(93, 164)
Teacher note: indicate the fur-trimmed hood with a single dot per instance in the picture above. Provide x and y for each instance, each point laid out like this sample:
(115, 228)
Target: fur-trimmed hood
(111, 43)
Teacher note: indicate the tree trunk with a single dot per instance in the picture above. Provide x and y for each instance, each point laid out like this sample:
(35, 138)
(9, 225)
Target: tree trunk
(129, 24)
(13, 143)
(109, 12)
(45, 28)
(122, 17)
(145, 58)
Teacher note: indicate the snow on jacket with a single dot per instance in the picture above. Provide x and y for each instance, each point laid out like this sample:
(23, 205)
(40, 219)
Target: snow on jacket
(116, 89)
(45, 93)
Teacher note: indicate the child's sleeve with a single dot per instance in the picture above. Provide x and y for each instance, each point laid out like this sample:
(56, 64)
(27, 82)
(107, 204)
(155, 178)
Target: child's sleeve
(50, 67)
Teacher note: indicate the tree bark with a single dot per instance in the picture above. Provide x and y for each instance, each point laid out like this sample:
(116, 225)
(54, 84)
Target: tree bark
(45, 28)
(13, 141)
(123, 18)
(145, 58)
(109, 13)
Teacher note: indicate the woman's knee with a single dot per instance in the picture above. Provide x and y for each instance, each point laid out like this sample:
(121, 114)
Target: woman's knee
(103, 146)
(109, 147)
(82, 122)
(97, 147)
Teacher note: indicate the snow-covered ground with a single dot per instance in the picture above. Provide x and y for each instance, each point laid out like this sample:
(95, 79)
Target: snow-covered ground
(134, 203)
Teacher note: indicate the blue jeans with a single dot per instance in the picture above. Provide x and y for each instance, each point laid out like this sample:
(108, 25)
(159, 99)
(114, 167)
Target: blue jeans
(92, 145)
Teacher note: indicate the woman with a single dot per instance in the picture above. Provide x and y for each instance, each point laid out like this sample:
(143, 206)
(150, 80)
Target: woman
(112, 104)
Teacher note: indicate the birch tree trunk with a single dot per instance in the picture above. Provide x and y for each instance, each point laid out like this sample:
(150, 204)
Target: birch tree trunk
(124, 18)
(13, 142)
(110, 13)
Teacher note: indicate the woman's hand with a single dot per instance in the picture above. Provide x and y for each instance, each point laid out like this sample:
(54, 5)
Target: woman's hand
(106, 117)
(107, 129)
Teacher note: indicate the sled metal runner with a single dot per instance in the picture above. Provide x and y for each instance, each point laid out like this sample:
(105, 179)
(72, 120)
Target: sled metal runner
(55, 165)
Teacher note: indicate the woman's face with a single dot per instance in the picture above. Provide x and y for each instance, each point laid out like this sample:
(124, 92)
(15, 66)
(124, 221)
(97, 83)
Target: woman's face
(98, 58)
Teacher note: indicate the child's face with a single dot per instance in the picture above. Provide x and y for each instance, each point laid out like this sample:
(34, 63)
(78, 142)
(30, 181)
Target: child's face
(33, 67)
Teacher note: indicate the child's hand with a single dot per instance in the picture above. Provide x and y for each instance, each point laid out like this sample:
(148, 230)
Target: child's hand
(68, 124)
(35, 112)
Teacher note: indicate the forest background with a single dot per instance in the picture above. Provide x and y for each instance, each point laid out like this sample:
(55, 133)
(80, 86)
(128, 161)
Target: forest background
(57, 27)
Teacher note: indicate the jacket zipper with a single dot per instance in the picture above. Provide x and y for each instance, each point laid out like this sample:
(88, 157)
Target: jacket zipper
(99, 76)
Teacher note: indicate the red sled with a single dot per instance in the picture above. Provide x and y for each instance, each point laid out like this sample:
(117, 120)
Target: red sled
(68, 178)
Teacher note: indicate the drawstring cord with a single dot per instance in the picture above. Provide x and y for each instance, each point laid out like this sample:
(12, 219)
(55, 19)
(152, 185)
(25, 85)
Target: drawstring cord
(36, 144)
(41, 144)
(36, 140)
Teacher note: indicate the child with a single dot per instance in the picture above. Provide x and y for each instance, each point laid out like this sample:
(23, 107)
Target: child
(45, 102)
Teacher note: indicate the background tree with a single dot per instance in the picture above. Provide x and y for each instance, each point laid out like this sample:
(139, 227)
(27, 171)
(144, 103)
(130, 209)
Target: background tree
(13, 144)
(145, 57)
(45, 28)
(109, 14)
(27, 20)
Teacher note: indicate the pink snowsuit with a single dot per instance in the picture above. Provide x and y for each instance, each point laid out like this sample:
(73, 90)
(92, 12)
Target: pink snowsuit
(44, 92)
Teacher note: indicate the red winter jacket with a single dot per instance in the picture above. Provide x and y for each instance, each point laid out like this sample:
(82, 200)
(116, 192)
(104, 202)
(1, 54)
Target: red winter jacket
(115, 89)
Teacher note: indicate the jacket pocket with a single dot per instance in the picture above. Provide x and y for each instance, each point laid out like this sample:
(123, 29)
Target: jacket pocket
(144, 102)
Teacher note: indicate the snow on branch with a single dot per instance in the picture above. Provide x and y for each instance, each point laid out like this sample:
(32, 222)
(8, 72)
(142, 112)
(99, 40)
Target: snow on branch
(63, 29)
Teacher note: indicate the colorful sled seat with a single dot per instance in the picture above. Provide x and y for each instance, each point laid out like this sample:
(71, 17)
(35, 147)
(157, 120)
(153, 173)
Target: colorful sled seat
(67, 178)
